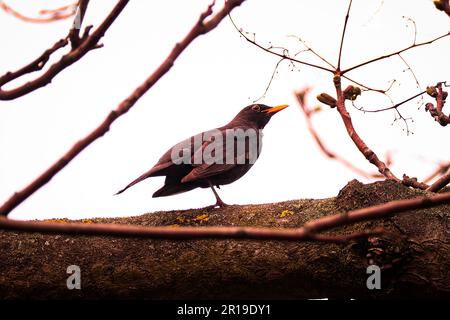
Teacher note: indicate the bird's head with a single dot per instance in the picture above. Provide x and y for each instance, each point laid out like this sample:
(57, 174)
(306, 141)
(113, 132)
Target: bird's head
(258, 114)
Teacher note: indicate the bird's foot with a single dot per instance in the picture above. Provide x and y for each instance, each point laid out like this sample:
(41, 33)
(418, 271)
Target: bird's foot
(219, 204)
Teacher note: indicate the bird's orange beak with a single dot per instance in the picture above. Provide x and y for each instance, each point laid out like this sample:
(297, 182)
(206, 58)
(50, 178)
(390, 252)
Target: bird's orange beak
(277, 108)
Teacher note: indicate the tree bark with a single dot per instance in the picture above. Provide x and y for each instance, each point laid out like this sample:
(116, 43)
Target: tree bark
(414, 257)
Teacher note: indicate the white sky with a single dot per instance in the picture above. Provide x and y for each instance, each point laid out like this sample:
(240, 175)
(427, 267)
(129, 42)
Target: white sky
(215, 77)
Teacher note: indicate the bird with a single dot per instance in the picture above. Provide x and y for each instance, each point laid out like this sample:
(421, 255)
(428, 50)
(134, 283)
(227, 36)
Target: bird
(213, 158)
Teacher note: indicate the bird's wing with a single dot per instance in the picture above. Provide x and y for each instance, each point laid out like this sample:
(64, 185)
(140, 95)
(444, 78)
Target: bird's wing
(210, 167)
(206, 170)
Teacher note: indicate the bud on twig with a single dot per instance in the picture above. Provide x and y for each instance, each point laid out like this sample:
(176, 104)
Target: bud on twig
(327, 99)
(432, 91)
(429, 106)
(351, 92)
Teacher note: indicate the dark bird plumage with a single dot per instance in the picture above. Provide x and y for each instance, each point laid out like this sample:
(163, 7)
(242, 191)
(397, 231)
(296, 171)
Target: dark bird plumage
(222, 161)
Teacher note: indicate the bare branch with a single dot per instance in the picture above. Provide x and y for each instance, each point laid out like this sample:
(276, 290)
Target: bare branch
(360, 144)
(202, 26)
(35, 65)
(408, 19)
(270, 81)
(313, 51)
(343, 34)
(413, 73)
(440, 183)
(87, 43)
(415, 45)
(414, 183)
(367, 88)
(301, 98)
(281, 55)
(394, 106)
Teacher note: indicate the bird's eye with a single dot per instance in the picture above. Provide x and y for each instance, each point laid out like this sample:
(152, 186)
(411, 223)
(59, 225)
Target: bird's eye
(256, 108)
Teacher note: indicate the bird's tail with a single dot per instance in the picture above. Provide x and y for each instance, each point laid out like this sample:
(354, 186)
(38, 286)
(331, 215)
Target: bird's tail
(142, 177)
(171, 189)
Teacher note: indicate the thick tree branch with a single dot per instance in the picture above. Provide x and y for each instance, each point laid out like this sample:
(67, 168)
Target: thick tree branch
(82, 46)
(202, 26)
(411, 251)
(309, 232)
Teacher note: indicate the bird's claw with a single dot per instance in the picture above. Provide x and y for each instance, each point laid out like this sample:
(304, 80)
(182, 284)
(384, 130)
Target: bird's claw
(218, 204)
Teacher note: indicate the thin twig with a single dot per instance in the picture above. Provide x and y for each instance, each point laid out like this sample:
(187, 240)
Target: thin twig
(415, 45)
(367, 88)
(394, 106)
(313, 51)
(270, 81)
(343, 34)
(281, 55)
(414, 76)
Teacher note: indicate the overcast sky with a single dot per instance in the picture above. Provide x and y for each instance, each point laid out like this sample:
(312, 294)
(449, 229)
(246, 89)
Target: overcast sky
(218, 75)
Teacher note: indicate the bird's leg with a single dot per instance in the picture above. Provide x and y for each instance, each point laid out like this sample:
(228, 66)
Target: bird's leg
(219, 202)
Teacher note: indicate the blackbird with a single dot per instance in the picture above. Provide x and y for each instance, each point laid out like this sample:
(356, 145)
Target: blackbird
(213, 158)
